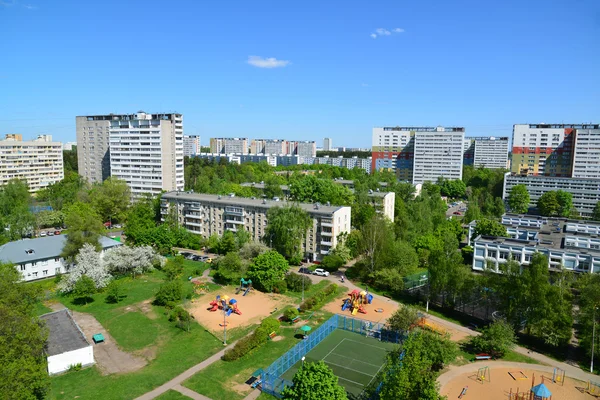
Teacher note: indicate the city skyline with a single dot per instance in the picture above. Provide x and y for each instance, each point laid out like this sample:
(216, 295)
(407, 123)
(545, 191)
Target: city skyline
(284, 70)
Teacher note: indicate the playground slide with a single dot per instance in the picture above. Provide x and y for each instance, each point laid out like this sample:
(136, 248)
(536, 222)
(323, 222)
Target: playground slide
(346, 305)
(229, 312)
(354, 310)
(215, 306)
(237, 311)
(247, 290)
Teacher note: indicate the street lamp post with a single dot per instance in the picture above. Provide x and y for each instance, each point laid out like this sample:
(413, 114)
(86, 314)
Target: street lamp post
(593, 340)
(224, 328)
(303, 358)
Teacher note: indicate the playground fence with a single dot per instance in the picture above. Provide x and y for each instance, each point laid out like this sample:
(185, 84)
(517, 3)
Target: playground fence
(272, 382)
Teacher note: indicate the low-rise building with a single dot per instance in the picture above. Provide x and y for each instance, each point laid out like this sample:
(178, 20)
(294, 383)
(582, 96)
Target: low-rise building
(41, 257)
(207, 214)
(67, 345)
(572, 244)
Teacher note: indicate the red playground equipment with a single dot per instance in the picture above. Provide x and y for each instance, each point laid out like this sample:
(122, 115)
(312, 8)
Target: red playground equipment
(223, 303)
(356, 301)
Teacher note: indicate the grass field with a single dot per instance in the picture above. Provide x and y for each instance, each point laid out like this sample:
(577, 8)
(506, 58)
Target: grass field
(354, 359)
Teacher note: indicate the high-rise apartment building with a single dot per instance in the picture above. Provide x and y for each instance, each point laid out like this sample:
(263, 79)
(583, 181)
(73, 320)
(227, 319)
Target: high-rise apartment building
(269, 146)
(490, 152)
(39, 162)
(306, 148)
(191, 145)
(229, 145)
(419, 154)
(468, 151)
(93, 158)
(327, 144)
(146, 151)
(586, 157)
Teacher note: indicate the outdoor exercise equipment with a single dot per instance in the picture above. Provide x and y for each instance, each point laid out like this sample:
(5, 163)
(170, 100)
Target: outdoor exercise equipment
(463, 392)
(558, 376)
(483, 375)
(593, 388)
(517, 375)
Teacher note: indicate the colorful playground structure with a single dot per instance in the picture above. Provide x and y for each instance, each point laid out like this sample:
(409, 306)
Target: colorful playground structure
(223, 303)
(426, 323)
(245, 286)
(537, 392)
(356, 301)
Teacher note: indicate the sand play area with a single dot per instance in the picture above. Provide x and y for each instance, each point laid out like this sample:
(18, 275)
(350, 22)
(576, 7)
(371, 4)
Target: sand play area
(500, 383)
(387, 308)
(254, 307)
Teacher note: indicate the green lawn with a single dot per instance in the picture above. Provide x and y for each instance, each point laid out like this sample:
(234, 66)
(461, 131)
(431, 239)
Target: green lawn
(466, 355)
(314, 288)
(41, 309)
(219, 379)
(133, 330)
(172, 395)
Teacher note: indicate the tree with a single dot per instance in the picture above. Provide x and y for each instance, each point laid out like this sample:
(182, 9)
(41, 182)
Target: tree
(229, 268)
(84, 288)
(85, 226)
(596, 212)
(174, 267)
(134, 260)
(15, 217)
(555, 203)
(286, 228)
(315, 381)
(473, 213)
(114, 293)
(111, 198)
(497, 339)
(332, 263)
(87, 263)
(227, 243)
(310, 189)
(488, 227)
(169, 293)
(518, 199)
(182, 317)
(23, 362)
(63, 193)
(140, 219)
(49, 218)
(267, 269)
(452, 188)
(252, 249)
(70, 159)
(376, 235)
(403, 319)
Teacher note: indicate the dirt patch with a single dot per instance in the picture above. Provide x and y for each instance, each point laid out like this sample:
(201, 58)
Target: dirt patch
(254, 307)
(500, 384)
(109, 358)
(277, 338)
(241, 388)
(387, 307)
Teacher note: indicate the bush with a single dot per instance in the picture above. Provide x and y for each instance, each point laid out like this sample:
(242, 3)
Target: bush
(257, 339)
(332, 263)
(114, 292)
(318, 299)
(182, 317)
(295, 260)
(74, 367)
(496, 339)
(291, 313)
(294, 282)
(169, 293)
(58, 277)
(280, 287)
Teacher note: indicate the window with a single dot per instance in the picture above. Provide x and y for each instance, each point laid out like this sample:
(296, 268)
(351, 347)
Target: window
(34, 274)
(22, 266)
(492, 253)
(45, 272)
(34, 263)
(503, 255)
(527, 257)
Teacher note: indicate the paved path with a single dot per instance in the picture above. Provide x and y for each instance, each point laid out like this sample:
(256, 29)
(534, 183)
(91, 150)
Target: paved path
(189, 393)
(175, 383)
(253, 395)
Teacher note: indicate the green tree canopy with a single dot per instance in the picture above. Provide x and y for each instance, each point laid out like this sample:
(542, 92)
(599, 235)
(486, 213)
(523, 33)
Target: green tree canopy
(63, 193)
(403, 319)
(111, 199)
(555, 203)
(488, 227)
(315, 381)
(518, 199)
(496, 339)
(230, 268)
(267, 269)
(454, 188)
(596, 212)
(85, 226)
(310, 189)
(286, 229)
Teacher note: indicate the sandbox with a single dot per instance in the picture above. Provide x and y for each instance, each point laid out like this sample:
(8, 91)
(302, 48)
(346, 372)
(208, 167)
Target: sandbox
(387, 308)
(254, 307)
(500, 383)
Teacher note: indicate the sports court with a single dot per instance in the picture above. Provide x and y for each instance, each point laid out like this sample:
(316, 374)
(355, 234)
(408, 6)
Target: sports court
(354, 358)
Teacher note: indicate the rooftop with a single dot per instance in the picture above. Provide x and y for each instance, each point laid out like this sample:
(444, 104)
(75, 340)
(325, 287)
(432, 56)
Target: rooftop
(63, 333)
(561, 126)
(286, 188)
(424, 128)
(43, 248)
(243, 201)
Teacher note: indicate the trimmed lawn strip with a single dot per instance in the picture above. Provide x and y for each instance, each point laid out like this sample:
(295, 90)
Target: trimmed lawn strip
(172, 395)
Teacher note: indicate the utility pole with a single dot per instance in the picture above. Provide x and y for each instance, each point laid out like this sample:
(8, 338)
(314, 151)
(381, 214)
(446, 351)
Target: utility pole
(593, 340)
(224, 327)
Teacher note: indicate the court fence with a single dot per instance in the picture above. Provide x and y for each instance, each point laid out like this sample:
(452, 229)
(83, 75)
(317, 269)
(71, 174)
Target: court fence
(272, 382)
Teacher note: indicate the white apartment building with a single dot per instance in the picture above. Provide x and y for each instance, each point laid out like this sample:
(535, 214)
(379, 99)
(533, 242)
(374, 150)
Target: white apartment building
(191, 145)
(327, 144)
(586, 192)
(206, 215)
(229, 145)
(586, 157)
(437, 154)
(490, 152)
(306, 148)
(93, 146)
(40, 257)
(269, 146)
(39, 162)
(146, 151)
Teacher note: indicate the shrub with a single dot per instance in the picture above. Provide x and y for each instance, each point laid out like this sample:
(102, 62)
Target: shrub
(319, 298)
(294, 282)
(280, 287)
(291, 313)
(182, 317)
(256, 339)
(114, 292)
(496, 339)
(295, 260)
(58, 277)
(332, 263)
(169, 293)
(74, 367)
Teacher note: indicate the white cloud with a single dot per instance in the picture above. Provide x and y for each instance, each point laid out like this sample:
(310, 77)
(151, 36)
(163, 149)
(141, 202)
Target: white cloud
(385, 32)
(260, 62)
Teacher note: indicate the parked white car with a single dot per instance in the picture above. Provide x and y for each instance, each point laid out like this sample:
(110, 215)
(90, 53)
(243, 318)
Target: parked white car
(320, 272)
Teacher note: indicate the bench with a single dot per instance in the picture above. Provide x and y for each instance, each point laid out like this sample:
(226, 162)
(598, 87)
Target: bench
(296, 320)
(272, 335)
(98, 338)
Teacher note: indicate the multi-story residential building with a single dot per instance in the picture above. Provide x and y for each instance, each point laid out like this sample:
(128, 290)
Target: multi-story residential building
(419, 154)
(146, 151)
(229, 145)
(40, 257)
(572, 244)
(490, 152)
(269, 146)
(93, 146)
(38, 161)
(327, 144)
(69, 146)
(191, 145)
(306, 148)
(207, 214)
(468, 151)
(586, 157)
(586, 192)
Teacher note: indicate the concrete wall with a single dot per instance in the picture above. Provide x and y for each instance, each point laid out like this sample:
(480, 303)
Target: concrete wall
(61, 362)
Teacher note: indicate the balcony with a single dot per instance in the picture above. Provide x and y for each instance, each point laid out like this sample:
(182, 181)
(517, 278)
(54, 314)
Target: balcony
(327, 222)
(325, 233)
(194, 216)
(324, 252)
(234, 221)
(326, 243)
(234, 211)
(193, 223)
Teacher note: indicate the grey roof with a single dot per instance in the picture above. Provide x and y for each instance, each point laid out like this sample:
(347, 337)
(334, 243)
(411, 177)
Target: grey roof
(243, 201)
(63, 333)
(286, 188)
(43, 248)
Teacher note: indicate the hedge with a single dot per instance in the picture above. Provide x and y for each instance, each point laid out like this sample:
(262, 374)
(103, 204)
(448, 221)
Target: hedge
(319, 299)
(248, 343)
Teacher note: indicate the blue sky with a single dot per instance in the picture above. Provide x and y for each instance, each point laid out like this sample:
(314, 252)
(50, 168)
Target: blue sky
(338, 68)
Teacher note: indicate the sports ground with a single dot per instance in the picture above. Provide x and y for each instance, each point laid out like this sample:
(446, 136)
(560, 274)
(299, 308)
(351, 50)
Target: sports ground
(354, 358)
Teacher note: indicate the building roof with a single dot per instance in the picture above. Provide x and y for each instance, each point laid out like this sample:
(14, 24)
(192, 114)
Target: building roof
(286, 188)
(43, 248)
(243, 201)
(63, 333)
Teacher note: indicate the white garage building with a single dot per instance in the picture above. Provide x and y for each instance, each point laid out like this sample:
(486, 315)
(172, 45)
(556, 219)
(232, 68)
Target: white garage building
(67, 344)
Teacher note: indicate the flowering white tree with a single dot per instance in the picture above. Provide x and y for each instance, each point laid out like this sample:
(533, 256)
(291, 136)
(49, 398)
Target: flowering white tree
(88, 263)
(134, 260)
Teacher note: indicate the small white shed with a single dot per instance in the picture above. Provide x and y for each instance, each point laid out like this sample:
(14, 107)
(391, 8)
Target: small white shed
(67, 344)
